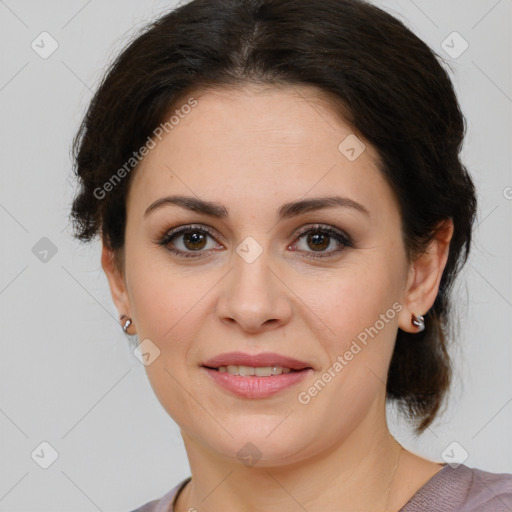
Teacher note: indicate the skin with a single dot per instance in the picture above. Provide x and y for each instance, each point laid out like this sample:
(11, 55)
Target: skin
(253, 149)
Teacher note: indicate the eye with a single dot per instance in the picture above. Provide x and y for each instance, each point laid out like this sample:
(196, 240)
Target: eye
(320, 237)
(190, 239)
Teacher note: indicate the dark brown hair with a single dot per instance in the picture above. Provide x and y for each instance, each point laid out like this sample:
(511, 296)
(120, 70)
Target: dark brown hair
(392, 90)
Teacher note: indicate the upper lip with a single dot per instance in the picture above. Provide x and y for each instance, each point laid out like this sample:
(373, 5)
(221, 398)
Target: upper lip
(263, 359)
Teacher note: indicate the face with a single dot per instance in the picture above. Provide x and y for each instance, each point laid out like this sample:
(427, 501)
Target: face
(321, 285)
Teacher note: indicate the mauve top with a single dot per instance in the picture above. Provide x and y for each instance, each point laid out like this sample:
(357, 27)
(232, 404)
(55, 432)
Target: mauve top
(461, 489)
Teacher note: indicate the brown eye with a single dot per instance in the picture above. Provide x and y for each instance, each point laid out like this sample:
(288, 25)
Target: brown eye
(318, 241)
(194, 240)
(189, 241)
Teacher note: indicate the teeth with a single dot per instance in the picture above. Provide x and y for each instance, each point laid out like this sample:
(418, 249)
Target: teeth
(244, 371)
(260, 371)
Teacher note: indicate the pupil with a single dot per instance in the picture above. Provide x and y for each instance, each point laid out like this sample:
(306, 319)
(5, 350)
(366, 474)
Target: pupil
(319, 240)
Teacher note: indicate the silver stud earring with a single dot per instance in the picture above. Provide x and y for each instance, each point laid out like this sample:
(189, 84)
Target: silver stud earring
(418, 321)
(126, 324)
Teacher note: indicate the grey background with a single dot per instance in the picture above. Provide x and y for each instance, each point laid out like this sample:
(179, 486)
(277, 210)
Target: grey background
(67, 374)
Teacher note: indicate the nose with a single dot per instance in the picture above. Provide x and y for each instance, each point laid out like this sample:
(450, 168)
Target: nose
(254, 297)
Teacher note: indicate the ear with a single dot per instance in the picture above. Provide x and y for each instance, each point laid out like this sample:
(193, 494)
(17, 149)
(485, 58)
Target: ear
(117, 283)
(424, 277)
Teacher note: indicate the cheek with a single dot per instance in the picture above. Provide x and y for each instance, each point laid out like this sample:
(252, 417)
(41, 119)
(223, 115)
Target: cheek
(165, 300)
(361, 312)
(352, 300)
(169, 307)
(360, 306)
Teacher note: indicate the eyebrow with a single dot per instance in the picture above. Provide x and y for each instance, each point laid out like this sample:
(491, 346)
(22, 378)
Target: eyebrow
(286, 211)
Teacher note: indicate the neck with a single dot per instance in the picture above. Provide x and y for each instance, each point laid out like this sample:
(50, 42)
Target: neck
(356, 474)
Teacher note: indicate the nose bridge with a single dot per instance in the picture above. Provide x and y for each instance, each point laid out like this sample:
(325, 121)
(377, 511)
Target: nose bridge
(253, 295)
(251, 269)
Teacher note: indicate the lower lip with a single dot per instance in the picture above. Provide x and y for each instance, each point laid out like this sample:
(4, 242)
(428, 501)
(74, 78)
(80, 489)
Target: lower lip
(257, 387)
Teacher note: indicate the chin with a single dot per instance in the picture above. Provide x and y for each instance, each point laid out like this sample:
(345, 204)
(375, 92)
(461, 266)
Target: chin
(255, 447)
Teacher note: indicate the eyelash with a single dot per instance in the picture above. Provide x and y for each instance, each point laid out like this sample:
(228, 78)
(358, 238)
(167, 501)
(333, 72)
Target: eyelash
(339, 236)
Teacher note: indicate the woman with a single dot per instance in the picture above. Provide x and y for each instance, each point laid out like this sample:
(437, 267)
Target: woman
(283, 210)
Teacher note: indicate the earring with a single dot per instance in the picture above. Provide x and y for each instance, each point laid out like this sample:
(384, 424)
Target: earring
(418, 321)
(126, 324)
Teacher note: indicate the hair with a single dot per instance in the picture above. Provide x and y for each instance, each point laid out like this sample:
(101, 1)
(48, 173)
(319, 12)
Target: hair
(385, 81)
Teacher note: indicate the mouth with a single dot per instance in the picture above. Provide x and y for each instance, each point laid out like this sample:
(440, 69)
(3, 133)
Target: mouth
(263, 364)
(255, 371)
(256, 376)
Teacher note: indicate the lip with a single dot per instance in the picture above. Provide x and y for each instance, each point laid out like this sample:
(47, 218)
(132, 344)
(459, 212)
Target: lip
(263, 359)
(256, 387)
(253, 386)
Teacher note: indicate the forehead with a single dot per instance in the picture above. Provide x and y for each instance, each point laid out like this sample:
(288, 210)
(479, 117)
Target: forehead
(276, 141)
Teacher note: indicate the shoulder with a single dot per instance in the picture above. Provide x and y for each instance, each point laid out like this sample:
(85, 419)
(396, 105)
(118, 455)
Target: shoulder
(150, 506)
(463, 489)
(166, 502)
(489, 491)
